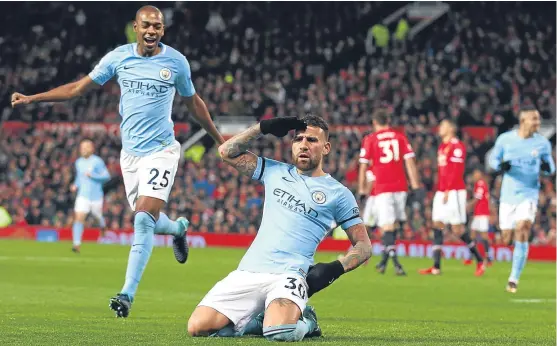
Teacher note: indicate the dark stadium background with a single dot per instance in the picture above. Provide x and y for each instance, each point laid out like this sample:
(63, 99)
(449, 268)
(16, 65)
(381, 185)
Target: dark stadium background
(476, 64)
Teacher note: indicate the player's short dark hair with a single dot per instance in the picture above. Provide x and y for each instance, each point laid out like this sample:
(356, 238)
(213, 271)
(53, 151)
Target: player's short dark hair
(317, 121)
(381, 116)
(87, 139)
(527, 108)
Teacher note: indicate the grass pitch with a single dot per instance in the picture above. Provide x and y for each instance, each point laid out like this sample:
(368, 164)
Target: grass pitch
(48, 295)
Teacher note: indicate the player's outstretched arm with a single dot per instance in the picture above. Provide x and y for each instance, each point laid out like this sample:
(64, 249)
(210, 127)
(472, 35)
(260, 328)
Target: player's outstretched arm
(361, 248)
(235, 150)
(201, 114)
(61, 93)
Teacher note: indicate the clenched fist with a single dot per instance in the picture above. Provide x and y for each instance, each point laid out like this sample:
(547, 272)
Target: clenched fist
(20, 99)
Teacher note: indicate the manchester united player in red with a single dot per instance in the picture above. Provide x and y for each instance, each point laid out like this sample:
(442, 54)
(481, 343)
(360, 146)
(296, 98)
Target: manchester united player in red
(449, 203)
(388, 152)
(480, 203)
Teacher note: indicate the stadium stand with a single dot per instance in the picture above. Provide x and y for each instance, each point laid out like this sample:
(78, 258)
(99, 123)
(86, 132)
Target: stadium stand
(475, 67)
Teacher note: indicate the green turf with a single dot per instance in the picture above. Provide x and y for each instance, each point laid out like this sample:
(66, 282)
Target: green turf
(50, 296)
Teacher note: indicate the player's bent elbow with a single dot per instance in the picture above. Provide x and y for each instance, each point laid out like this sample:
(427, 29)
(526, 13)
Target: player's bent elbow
(223, 152)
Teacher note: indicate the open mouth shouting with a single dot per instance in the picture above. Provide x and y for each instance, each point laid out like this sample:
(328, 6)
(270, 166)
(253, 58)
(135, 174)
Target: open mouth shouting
(150, 42)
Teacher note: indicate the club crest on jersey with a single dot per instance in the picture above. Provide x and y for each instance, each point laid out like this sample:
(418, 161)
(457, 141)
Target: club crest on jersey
(535, 153)
(457, 152)
(318, 197)
(165, 74)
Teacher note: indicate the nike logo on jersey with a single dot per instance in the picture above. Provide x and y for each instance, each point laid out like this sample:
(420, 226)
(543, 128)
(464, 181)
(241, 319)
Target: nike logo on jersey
(157, 189)
(127, 67)
(290, 181)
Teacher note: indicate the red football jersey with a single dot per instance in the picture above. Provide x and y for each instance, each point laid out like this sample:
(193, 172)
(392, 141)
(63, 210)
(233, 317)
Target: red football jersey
(386, 151)
(481, 193)
(451, 158)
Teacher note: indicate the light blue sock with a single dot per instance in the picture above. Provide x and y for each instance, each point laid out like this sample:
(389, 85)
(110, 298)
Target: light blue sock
(227, 332)
(254, 327)
(166, 226)
(288, 332)
(520, 255)
(77, 233)
(143, 236)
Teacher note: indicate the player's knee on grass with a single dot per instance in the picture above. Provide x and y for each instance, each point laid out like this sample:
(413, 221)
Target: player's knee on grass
(285, 332)
(281, 311)
(205, 321)
(149, 204)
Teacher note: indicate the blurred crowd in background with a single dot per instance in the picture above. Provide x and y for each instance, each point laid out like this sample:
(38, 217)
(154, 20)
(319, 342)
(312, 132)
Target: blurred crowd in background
(476, 64)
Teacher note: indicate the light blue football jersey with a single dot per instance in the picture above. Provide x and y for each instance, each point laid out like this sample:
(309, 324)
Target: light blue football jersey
(147, 88)
(90, 188)
(298, 212)
(525, 154)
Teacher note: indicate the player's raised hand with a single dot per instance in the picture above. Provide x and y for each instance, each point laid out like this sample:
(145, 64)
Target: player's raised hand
(281, 126)
(20, 99)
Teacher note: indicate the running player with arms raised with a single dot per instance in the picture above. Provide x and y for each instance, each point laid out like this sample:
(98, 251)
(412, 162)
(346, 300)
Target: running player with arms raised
(449, 203)
(302, 204)
(389, 153)
(149, 74)
(521, 155)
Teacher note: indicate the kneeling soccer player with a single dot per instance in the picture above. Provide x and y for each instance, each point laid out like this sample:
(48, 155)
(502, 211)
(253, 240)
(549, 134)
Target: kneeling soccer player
(303, 203)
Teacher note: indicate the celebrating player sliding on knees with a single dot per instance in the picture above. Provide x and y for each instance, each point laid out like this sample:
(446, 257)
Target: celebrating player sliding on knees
(268, 292)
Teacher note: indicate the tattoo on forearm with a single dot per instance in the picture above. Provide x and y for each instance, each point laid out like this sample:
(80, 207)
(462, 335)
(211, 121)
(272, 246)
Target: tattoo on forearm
(246, 164)
(239, 144)
(361, 250)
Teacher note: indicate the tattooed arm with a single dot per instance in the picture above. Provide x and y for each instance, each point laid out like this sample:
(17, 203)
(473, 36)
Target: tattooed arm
(361, 248)
(234, 151)
(322, 275)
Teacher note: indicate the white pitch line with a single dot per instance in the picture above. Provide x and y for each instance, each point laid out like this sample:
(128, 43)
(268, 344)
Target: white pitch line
(533, 301)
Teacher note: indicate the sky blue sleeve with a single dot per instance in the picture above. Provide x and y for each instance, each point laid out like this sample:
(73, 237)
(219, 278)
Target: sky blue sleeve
(548, 157)
(347, 213)
(100, 173)
(264, 169)
(76, 181)
(496, 154)
(184, 84)
(105, 69)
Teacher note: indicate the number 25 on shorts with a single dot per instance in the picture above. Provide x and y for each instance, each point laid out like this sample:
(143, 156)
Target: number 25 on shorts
(158, 184)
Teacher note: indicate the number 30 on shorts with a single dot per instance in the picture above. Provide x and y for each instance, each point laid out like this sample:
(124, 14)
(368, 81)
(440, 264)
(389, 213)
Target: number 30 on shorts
(163, 182)
(298, 289)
